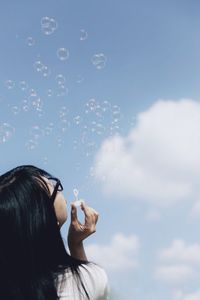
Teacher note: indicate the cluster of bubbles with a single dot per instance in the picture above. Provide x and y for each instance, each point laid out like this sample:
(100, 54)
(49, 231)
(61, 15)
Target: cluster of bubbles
(42, 68)
(48, 25)
(37, 133)
(6, 132)
(96, 119)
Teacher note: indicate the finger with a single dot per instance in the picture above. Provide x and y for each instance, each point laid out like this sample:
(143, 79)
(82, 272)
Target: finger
(91, 215)
(73, 213)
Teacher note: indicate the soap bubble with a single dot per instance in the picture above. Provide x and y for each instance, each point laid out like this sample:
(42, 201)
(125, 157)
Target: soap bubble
(63, 54)
(60, 79)
(79, 79)
(48, 25)
(63, 112)
(30, 41)
(60, 142)
(25, 105)
(6, 132)
(48, 130)
(23, 85)
(106, 105)
(31, 144)
(38, 65)
(36, 132)
(62, 91)
(45, 160)
(77, 120)
(49, 93)
(15, 110)
(46, 71)
(91, 105)
(9, 84)
(99, 60)
(83, 35)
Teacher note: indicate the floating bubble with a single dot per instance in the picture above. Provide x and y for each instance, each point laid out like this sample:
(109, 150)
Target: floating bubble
(63, 112)
(23, 85)
(47, 130)
(38, 66)
(48, 25)
(83, 35)
(75, 145)
(99, 60)
(98, 111)
(100, 128)
(63, 54)
(36, 132)
(62, 91)
(49, 93)
(46, 72)
(106, 105)
(79, 79)
(60, 79)
(25, 105)
(15, 110)
(32, 92)
(90, 147)
(91, 105)
(30, 41)
(6, 132)
(77, 120)
(9, 84)
(37, 103)
(31, 144)
(133, 120)
(60, 142)
(45, 160)
(92, 171)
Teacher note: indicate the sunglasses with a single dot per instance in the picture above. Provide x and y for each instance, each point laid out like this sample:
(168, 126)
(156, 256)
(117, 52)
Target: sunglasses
(57, 187)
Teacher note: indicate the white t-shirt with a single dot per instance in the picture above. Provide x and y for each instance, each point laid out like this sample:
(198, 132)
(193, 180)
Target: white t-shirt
(94, 279)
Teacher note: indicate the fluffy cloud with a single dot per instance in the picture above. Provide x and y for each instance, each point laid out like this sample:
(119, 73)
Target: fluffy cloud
(179, 295)
(159, 160)
(120, 254)
(181, 252)
(174, 274)
(178, 263)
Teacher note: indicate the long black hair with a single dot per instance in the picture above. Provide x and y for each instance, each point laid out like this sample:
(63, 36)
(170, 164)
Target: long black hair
(32, 251)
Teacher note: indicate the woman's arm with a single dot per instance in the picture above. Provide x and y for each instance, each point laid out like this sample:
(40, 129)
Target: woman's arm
(78, 232)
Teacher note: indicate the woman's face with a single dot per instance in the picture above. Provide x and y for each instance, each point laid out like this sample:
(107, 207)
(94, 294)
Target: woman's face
(60, 204)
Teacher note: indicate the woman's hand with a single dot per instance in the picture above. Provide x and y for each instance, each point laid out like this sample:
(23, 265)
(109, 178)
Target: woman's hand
(78, 231)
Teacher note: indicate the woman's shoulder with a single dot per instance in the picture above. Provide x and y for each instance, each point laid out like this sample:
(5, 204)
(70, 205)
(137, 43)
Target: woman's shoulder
(94, 279)
(93, 273)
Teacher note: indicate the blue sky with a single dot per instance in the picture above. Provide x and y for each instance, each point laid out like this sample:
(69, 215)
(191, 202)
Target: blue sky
(124, 133)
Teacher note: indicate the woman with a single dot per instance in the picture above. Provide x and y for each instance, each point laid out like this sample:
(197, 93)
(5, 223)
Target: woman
(34, 264)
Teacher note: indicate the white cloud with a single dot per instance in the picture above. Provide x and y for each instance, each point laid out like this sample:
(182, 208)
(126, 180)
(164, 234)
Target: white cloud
(120, 254)
(159, 160)
(178, 263)
(179, 295)
(195, 211)
(181, 252)
(174, 274)
(153, 215)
